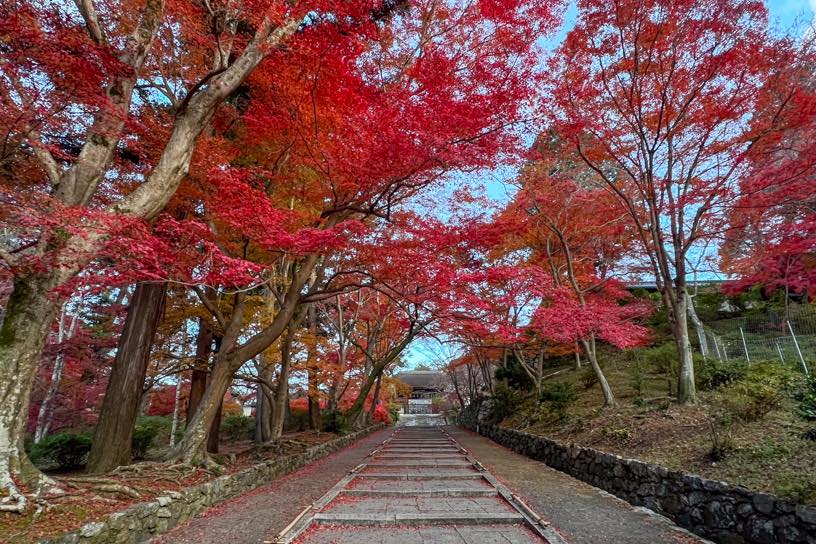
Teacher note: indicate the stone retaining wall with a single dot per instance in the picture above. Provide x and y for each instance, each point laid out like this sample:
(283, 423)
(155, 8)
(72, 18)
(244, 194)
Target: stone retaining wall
(722, 512)
(143, 521)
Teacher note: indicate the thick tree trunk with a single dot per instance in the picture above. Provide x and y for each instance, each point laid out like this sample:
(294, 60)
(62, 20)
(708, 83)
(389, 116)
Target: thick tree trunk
(264, 404)
(114, 430)
(198, 380)
(375, 399)
(589, 348)
(279, 410)
(30, 312)
(214, 436)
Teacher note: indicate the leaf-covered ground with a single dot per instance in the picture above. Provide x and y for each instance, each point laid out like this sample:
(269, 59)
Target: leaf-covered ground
(87, 499)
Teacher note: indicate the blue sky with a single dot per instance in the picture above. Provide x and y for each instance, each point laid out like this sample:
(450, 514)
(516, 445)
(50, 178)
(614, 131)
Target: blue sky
(787, 16)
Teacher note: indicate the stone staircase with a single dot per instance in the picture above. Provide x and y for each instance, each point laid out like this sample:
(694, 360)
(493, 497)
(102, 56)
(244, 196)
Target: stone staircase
(418, 487)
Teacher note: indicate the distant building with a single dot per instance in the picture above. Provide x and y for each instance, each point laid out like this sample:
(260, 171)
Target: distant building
(426, 385)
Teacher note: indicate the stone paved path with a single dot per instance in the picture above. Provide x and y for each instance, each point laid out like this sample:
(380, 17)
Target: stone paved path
(419, 486)
(581, 513)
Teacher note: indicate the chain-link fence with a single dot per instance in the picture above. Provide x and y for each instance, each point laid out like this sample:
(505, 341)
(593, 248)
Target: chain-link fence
(788, 336)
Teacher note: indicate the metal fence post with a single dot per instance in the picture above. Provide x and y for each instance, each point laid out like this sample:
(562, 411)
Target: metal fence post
(779, 350)
(745, 346)
(725, 352)
(716, 347)
(799, 351)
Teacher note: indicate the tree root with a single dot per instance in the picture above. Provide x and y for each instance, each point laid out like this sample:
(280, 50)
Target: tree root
(103, 485)
(15, 501)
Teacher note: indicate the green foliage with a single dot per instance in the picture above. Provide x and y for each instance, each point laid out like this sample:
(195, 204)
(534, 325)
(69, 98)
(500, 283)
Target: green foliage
(394, 412)
(515, 375)
(559, 397)
(334, 422)
(504, 403)
(237, 426)
(806, 396)
(616, 433)
(802, 490)
(761, 391)
(588, 377)
(68, 451)
(145, 432)
(663, 358)
(715, 374)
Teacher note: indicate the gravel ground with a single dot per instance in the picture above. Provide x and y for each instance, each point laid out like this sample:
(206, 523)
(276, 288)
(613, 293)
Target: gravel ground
(261, 514)
(582, 514)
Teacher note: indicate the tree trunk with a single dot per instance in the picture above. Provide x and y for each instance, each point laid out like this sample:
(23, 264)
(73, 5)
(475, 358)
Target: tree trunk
(264, 404)
(589, 348)
(698, 326)
(686, 388)
(577, 357)
(176, 410)
(356, 414)
(198, 380)
(374, 399)
(46, 412)
(114, 430)
(30, 312)
(312, 372)
(213, 437)
(282, 389)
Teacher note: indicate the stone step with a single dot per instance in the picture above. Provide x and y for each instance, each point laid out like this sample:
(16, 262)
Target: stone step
(421, 534)
(396, 469)
(452, 492)
(379, 484)
(387, 454)
(423, 476)
(421, 463)
(418, 506)
(450, 518)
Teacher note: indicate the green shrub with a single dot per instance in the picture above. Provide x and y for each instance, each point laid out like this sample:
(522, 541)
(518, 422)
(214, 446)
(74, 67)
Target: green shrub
(662, 358)
(334, 422)
(588, 376)
(514, 375)
(237, 426)
(68, 451)
(616, 433)
(715, 374)
(145, 433)
(801, 491)
(807, 399)
(763, 389)
(504, 402)
(559, 397)
(394, 412)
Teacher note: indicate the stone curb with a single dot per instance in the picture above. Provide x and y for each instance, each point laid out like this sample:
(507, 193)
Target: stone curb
(143, 521)
(717, 510)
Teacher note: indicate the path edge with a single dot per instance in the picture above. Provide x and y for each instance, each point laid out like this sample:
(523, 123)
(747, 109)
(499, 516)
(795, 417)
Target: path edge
(142, 521)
